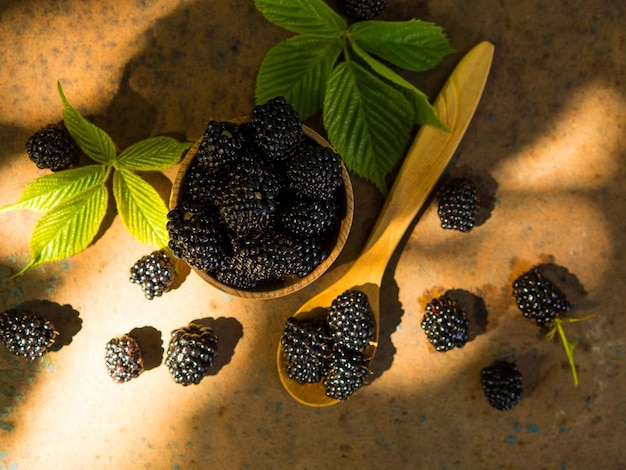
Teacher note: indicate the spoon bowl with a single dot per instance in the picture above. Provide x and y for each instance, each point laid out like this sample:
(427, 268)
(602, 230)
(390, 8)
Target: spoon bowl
(424, 163)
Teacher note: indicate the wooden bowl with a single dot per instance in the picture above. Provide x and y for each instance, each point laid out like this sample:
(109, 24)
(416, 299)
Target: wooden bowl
(333, 244)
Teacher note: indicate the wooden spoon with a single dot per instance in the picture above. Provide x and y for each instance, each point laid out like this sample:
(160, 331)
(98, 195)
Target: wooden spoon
(426, 160)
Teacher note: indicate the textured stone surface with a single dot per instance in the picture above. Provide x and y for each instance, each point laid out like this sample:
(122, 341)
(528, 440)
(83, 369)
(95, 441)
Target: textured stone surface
(546, 148)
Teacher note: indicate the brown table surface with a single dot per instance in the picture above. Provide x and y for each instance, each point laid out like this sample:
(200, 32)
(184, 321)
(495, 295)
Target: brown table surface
(546, 146)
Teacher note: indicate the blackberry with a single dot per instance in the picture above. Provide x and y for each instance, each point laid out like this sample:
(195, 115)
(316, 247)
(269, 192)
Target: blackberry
(445, 324)
(196, 236)
(538, 298)
(307, 255)
(25, 333)
(306, 345)
(155, 272)
(309, 218)
(190, 353)
(315, 172)
(220, 146)
(347, 372)
(123, 358)
(234, 274)
(250, 196)
(53, 148)
(458, 205)
(502, 384)
(351, 320)
(202, 187)
(277, 128)
(268, 256)
(362, 9)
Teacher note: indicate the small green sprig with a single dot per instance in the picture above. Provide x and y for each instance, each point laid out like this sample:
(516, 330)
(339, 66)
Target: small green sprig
(368, 109)
(74, 201)
(568, 345)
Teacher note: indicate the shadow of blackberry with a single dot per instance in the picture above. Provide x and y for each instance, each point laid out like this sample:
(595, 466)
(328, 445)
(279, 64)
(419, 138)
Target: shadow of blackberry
(151, 344)
(474, 308)
(229, 331)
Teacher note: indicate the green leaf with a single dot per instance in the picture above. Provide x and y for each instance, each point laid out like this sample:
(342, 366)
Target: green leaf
(366, 122)
(298, 68)
(313, 17)
(155, 153)
(142, 210)
(91, 139)
(413, 45)
(68, 228)
(423, 111)
(46, 192)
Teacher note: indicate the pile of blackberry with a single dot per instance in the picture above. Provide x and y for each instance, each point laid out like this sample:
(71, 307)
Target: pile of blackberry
(53, 148)
(331, 350)
(260, 202)
(445, 324)
(191, 352)
(26, 334)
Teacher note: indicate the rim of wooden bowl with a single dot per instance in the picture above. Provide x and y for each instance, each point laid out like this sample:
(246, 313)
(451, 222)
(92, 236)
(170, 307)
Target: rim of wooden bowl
(292, 283)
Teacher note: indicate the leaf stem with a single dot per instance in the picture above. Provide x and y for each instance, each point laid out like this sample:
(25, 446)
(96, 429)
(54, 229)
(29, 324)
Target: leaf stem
(568, 346)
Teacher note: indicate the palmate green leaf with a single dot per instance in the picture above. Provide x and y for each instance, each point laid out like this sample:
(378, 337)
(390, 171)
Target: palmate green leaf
(423, 111)
(142, 210)
(155, 153)
(413, 45)
(366, 122)
(298, 68)
(47, 191)
(313, 17)
(68, 228)
(91, 139)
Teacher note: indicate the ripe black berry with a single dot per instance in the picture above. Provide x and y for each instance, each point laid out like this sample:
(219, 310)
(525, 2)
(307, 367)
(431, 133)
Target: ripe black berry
(191, 352)
(458, 205)
(220, 146)
(123, 358)
(362, 9)
(154, 272)
(25, 333)
(351, 321)
(538, 298)
(309, 218)
(445, 324)
(315, 172)
(277, 128)
(306, 345)
(196, 236)
(53, 148)
(502, 385)
(347, 372)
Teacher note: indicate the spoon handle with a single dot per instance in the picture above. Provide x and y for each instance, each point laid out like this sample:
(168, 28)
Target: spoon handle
(430, 152)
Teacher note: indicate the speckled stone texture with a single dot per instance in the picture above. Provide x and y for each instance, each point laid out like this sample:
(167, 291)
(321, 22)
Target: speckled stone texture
(546, 149)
